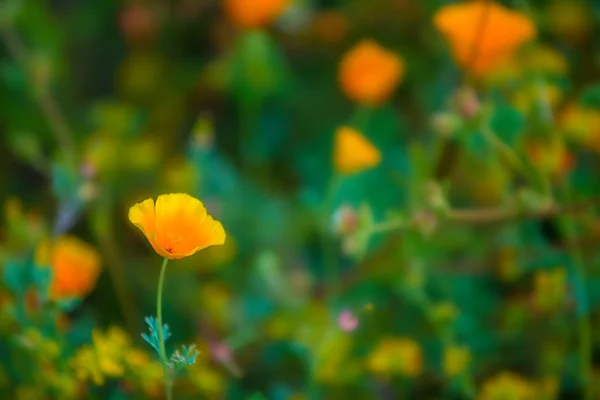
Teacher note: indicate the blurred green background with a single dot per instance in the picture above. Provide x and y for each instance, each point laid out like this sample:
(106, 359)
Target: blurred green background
(464, 265)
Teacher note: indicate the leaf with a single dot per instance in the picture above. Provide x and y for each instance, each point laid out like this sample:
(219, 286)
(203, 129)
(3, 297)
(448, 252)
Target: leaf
(152, 338)
(15, 276)
(507, 123)
(591, 96)
(185, 357)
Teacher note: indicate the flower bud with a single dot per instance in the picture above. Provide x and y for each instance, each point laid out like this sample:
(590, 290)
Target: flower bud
(445, 124)
(345, 220)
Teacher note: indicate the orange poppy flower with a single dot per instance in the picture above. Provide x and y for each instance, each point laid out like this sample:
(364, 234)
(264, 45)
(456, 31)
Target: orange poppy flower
(177, 226)
(369, 73)
(254, 13)
(482, 34)
(75, 268)
(353, 153)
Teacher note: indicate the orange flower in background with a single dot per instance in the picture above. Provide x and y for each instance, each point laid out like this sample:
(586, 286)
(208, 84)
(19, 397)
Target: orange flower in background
(75, 268)
(369, 73)
(177, 226)
(254, 13)
(353, 153)
(482, 34)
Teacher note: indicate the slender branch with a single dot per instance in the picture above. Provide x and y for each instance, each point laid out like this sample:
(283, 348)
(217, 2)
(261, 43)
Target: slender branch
(499, 214)
(43, 97)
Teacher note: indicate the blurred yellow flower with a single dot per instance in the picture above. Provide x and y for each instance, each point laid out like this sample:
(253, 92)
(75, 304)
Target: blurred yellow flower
(509, 386)
(456, 360)
(103, 358)
(396, 356)
(147, 372)
(178, 226)
(504, 31)
(206, 379)
(332, 363)
(550, 156)
(254, 14)
(544, 59)
(582, 125)
(75, 268)
(550, 289)
(369, 73)
(535, 95)
(353, 153)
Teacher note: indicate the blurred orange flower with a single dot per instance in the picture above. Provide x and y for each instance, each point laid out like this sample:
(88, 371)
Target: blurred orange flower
(482, 34)
(353, 153)
(369, 73)
(177, 226)
(254, 13)
(75, 268)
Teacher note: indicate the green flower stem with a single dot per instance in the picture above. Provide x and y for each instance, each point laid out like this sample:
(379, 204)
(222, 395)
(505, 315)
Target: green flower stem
(329, 255)
(161, 339)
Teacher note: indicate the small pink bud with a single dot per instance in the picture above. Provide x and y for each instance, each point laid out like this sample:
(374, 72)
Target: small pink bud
(88, 170)
(345, 220)
(221, 353)
(347, 321)
(467, 103)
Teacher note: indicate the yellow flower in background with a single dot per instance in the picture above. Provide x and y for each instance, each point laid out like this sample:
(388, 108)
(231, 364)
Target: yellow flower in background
(582, 125)
(332, 364)
(550, 289)
(206, 379)
(504, 31)
(536, 95)
(369, 73)
(544, 59)
(255, 13)
(353, 153)
(396, 356)
(104, 358)
(509, 386)
(177, 226)
(146, 372)
(75, 268)
(551, 157)
(456, 360)
(110, 347)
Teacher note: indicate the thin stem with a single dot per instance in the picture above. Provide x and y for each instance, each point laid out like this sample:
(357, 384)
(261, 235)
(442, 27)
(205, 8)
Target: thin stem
(387, 226)
(161, 339)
